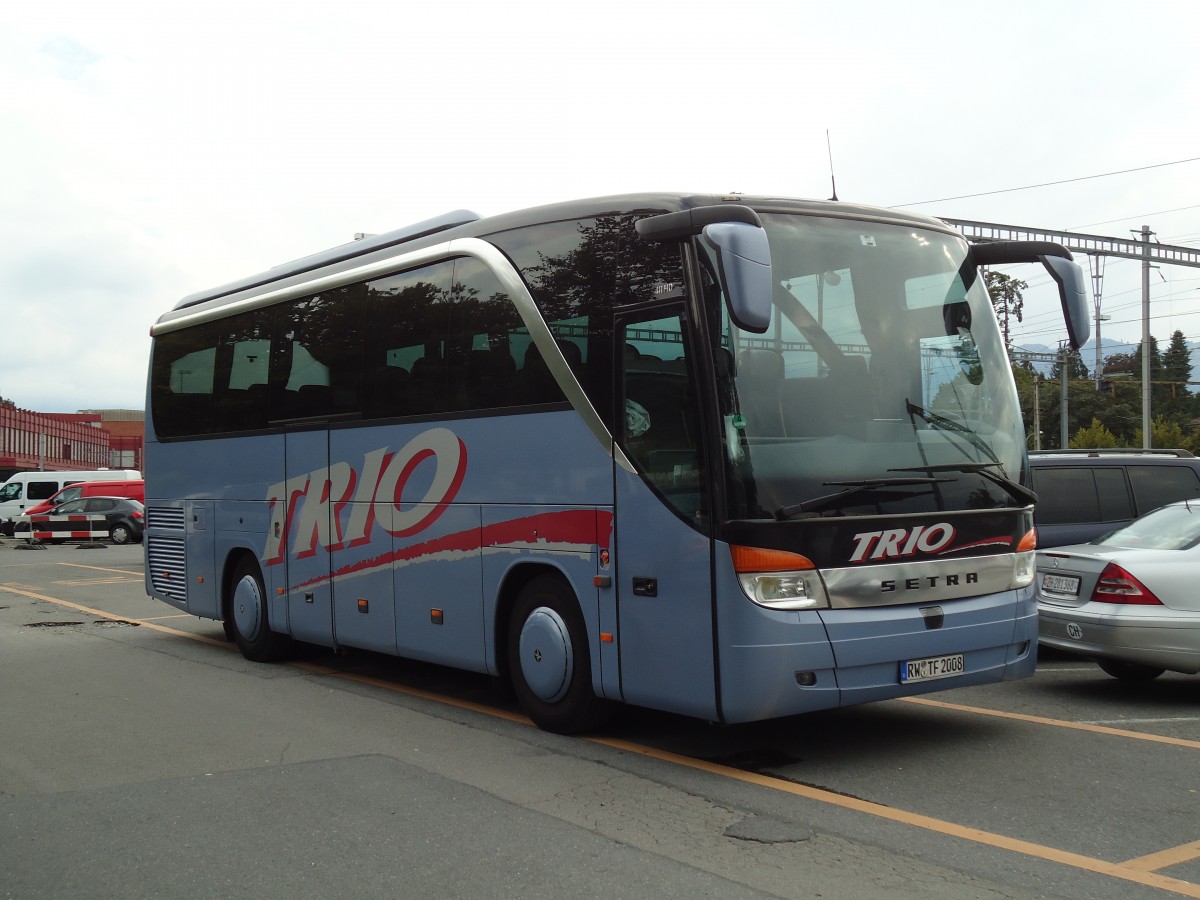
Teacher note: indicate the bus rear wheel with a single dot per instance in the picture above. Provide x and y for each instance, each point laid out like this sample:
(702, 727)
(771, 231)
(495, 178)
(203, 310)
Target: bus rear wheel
(549, 660)
(248, 618)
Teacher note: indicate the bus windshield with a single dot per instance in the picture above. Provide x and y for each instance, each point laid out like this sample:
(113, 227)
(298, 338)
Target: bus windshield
(881, 385)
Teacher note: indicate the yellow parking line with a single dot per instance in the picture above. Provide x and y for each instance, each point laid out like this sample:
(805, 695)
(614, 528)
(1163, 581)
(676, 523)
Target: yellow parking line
(87, 582)
(1139, 871)
(1058, 723)
(101, 569)
(79, 607)
(1076, 860)
(1152, 862)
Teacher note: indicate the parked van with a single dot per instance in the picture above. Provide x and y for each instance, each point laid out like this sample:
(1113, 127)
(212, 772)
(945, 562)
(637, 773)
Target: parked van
(132, 490)
(1083, 494)
(26, 489)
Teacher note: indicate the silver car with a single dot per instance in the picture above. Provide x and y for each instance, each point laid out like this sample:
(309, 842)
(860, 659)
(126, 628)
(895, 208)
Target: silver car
(1130, 599)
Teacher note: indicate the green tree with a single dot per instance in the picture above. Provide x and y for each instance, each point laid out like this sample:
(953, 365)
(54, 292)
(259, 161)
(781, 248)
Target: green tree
(1163, 433)
(1156, 366)
(1177, 363)
(1076, 370)
(1007, 299)
(1094, 436)
(1192, 442)
(1174, 399)
(1117, 414)
(1122, 364)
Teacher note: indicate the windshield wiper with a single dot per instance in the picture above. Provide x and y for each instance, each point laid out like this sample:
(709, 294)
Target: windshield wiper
(950, 425)
(1018, 491)
(853, 489)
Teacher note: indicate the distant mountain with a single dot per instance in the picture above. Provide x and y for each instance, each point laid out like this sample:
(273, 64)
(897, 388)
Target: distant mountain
(1107, 348)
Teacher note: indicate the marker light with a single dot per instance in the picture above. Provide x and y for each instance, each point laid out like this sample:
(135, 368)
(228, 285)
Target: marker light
(1026, 563)
(777, 579)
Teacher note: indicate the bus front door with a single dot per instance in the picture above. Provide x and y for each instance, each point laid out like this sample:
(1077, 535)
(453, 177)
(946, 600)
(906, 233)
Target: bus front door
(663, 551)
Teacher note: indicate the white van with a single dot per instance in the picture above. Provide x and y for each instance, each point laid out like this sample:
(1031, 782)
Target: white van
(26, 489)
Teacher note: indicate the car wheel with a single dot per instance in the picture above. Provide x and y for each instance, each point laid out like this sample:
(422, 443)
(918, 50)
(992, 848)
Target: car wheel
(548, 657)
(120, 534)
(1127, 671)
(249, 615)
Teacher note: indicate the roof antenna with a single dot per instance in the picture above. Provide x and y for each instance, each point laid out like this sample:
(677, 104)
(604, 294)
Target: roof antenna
(832, 180)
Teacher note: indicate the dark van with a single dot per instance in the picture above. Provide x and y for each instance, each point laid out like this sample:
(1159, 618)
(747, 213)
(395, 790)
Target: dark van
(1083, 494)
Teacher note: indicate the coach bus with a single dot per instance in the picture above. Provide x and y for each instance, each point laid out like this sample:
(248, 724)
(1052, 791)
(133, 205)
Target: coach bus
(726, 456)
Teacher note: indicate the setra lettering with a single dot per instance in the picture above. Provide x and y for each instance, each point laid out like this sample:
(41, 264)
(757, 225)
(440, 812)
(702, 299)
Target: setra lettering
(928, 582)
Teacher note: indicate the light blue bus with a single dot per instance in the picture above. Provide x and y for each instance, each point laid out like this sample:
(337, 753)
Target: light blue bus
(731, 457)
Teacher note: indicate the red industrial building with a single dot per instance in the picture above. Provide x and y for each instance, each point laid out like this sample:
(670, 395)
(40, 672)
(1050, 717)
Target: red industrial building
(89, 439)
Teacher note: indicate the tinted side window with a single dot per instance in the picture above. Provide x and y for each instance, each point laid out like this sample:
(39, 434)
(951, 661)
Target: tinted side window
(317, 355)
(1115, 504)
(1065, 495)
(240, 393)
(213, 377)
(1154, 486)
(578, 271)
(406, 343)
(660, 431)
(183, 372)
(42, 490)
(490, 343)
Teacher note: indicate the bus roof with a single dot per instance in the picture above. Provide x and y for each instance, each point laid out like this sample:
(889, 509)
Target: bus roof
(464, 223)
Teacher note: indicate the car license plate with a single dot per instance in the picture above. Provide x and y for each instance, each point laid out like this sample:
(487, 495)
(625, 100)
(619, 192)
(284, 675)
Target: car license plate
(1060, 584)
(930, 668)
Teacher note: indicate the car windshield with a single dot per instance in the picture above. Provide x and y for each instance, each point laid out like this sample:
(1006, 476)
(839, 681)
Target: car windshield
(881, 384)
(1175, 527)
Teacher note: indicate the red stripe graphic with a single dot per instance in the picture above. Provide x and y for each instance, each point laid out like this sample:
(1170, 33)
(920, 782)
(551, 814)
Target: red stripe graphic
(1000, 540)
(568, 528)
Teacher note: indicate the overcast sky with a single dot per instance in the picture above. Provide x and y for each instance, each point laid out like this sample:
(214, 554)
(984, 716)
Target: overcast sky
(155, 149)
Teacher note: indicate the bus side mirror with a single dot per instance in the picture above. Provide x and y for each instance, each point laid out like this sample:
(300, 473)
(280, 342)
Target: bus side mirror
(735, 235)
(1068, 275)
(744, 259)
(1062, 268)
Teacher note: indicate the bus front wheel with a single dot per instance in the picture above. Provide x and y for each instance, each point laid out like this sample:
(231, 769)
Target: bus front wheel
(549, 660)
(248, 618)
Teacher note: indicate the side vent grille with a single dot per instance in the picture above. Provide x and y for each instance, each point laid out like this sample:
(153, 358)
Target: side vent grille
(164, 517)
(166, 554)
(168, 566)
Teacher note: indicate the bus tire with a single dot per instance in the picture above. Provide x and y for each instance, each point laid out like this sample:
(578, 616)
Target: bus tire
(549, 660)
(248, 615)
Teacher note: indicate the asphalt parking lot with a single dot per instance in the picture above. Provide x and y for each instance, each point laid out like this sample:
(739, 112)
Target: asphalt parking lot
(142, 756)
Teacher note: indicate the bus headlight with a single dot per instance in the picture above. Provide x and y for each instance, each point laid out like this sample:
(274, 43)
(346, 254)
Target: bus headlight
(778, 579)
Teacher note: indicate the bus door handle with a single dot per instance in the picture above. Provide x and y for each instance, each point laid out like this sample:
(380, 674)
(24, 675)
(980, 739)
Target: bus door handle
(645, 587)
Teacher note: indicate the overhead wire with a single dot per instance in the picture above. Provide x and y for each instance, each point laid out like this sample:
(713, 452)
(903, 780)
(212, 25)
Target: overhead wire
(1029, 187)
(1161, 212)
